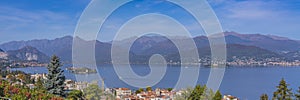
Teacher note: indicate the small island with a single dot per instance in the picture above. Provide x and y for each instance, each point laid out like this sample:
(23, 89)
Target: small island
(81, 70)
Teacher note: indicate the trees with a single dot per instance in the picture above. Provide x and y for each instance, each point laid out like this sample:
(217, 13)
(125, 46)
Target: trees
(185, 94)
(282, 92)
(197, 93)
(39, 84)
(18, 92)
(264, 97)
(75, 95)
(93, 92)
(140, 90)
(298, 94)
(55, 77)
(1, 91)
(148, 88)
(218, 96)
(169, 89)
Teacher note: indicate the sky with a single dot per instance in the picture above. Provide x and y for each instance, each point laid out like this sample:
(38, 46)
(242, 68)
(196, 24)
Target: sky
(49, 19)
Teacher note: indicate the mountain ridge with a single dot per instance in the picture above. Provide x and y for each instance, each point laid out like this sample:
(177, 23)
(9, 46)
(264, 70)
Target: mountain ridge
(27, 53)
(149, 45)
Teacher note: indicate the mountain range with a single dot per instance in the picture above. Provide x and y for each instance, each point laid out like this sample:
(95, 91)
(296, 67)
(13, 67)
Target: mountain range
(26, 53)
(238, 45)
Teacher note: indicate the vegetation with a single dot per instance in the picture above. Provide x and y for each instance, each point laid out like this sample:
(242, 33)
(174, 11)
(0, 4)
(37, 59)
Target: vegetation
(199, 93)
(75, 95)
(14, 76)
(15, 86)
(298, 94)
(93, 92)
(169, 89)
(148, 88)
(283, 93)
(22, 92)
(185, 94)
(264, 97)
(55, 78)
(139, 90)
(217, 96)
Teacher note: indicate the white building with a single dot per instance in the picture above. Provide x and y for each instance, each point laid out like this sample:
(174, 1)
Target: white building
(122, 92)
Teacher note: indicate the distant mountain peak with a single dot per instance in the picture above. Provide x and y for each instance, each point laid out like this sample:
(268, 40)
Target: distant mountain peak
(29, 49)
(1, 50)
(277, 37)
(28, 53)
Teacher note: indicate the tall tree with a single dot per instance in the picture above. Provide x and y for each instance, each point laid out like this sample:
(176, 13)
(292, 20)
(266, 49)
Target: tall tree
(218, 96)
(197, 93)
(282, 92)
(55, 77)
(264, 97)
(298, 94)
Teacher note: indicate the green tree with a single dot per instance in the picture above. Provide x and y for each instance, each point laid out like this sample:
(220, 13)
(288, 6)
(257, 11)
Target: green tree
(93, 92)
(197, 93)
(169, 89)
(39, 83)
(282, 92)
(139, 90)
(298, 94)
(55, 77)
(185, 94)
(218, 96)
(205, 94)
(264, 97)
(75, 95)
(1, 91)
(149, 88)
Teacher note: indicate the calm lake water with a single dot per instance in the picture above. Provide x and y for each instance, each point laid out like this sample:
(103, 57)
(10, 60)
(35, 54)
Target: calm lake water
(247, 83)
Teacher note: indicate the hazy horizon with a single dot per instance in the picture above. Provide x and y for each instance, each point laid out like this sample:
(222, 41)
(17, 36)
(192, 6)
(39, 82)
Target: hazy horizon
(3, 42)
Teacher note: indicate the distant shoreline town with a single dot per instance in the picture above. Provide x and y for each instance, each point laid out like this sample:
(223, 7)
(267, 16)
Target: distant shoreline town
(236, 63)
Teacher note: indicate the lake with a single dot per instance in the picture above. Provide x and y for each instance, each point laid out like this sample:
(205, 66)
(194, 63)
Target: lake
(247, 83)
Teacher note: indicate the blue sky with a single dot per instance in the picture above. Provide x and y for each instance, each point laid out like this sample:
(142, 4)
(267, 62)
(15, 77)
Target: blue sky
(40, 19)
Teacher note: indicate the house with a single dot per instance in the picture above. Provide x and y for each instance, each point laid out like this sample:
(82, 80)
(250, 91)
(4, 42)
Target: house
(37, 76)
(122, 91)
(229, 97)
(81, 85)
(70, 84)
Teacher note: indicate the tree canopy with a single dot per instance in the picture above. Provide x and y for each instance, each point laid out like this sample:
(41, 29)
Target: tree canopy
(55, 77)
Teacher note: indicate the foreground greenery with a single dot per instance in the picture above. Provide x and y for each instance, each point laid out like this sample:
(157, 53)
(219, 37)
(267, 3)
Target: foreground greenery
(22, 92)
(199, 93)
(14, 86)
(282, 93)
(55, 78)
